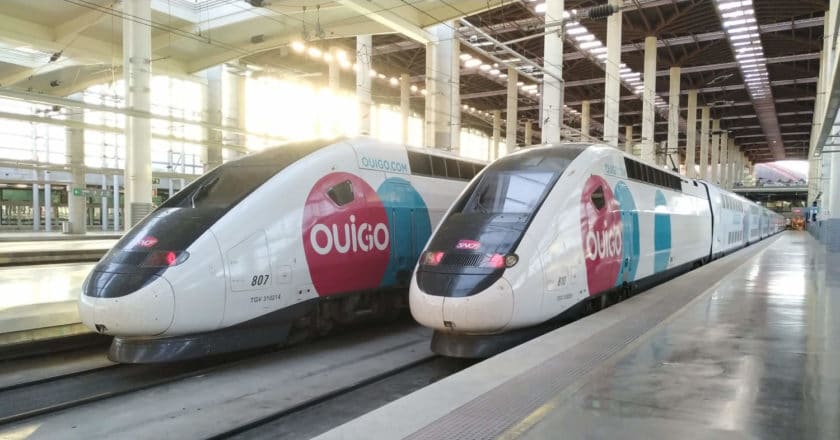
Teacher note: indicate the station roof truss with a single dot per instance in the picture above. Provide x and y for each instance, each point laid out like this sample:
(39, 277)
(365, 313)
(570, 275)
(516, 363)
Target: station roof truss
(84, 38)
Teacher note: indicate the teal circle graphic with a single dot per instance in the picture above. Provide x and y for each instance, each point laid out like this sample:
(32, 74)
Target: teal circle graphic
(629, 234)
(661, 233)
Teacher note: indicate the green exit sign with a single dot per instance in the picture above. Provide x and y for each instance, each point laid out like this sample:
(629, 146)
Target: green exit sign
(78, 192)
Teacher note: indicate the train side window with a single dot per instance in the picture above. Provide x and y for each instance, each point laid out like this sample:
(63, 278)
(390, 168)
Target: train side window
(419, 163)
(598, 198)
(467, 170)
(438, 166)
(342, 193)
(452, 169)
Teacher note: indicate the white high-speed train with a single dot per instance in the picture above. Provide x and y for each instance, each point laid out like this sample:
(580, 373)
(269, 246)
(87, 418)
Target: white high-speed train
(305, 235)
(552, 230)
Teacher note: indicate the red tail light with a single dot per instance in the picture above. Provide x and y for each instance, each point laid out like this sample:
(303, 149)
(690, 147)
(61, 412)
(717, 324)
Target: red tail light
(431, 258)
(165, 258)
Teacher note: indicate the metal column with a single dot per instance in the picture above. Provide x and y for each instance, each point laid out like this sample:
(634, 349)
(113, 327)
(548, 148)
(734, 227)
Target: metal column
(529, 132)
(116, 216)
(691, 135)
(47, 202)
(334, 71)
(137, 71)
(497, 135)
(405, 104)
(673, 115)
(36, 205)
(705, 113)
(612, 86)
(628, 139)
(364, 49)
(213, 108)
(648, 96)
(715, 151)
(443, 101)
(552, 93)
(512, 120)
(584, 120)
(831, 205)
(77, 204)
(103, 206)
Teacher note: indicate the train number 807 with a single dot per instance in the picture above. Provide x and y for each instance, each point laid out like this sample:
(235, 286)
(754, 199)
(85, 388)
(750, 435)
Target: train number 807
(259, 280)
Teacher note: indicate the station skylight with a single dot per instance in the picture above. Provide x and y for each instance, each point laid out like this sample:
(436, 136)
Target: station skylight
(738, 20)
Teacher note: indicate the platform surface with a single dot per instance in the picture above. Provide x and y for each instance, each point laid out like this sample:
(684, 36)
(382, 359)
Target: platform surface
(58, 236)
(15, 253)
(40, 296)
(745, 347)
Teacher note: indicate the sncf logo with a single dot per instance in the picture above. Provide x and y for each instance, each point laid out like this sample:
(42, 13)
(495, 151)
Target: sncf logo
(349, 237)
(470, 245)
(345, 234)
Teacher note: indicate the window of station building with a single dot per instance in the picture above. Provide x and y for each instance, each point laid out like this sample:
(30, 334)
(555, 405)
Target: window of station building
(342, 193)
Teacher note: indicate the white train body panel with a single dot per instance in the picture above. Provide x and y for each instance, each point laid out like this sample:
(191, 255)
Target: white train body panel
(608, 222)
(341, 218)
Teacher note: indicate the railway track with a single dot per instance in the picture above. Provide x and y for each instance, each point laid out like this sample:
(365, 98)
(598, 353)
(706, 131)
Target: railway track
(318, 415)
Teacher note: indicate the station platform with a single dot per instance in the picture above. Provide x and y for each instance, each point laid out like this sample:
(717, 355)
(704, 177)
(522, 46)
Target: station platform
(40, 302)
(744, 347)
(38, 250)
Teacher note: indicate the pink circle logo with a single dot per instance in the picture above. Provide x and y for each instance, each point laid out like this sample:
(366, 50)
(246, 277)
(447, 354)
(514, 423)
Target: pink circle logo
(600, 226)
(345, 235)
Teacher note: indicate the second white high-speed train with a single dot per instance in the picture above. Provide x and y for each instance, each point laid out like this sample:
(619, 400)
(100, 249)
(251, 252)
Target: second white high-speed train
(304, 235)
(548, 229)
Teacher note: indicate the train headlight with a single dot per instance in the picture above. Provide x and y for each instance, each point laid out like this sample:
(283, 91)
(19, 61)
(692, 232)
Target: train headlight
(511, 260)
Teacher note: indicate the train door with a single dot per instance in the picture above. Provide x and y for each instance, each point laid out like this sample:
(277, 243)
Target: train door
(409, 228)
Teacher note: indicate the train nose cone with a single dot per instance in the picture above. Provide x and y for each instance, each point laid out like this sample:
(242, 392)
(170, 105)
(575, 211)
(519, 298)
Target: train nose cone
(488, 311)
(147, 311)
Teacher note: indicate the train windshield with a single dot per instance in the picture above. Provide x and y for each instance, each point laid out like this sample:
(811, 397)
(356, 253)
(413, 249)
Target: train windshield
(517, 184)
(226, 185)
(509, 192)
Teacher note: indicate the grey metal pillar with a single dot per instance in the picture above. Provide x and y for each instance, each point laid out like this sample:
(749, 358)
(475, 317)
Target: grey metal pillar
(691, 135)
(443, 99)
(705, 113)
(612, 85)
(47, 202)
(137, 71)
(715, 151)
(497, 135)
(674, 114)
(512, 120)
(364, 50)
(584, 120)
(648, 96)
(552, 93)
(405, 104)
(76, 198)
(213, 109)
